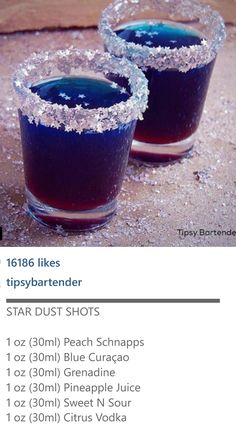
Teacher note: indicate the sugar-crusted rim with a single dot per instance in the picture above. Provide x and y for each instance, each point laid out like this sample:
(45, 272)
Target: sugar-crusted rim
(47, 64)
(163, 58)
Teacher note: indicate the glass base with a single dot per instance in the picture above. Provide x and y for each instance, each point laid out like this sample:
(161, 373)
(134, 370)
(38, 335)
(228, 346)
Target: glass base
(72, 221)
(160, 154)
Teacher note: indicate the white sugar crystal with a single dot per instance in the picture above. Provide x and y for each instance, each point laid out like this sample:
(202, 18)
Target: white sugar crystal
(78, 118)
(163, 58)
(63, 95)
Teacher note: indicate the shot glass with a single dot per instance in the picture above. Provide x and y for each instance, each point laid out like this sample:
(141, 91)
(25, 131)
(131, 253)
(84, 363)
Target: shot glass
(175, 43)
(77, 128)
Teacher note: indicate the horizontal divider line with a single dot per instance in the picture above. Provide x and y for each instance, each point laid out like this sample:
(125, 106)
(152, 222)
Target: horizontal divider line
(121, 300)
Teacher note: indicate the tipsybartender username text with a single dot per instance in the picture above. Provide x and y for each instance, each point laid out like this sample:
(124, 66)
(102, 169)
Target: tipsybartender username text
(202, 232)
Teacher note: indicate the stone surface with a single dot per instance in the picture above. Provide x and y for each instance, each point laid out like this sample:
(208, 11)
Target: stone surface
(18, 15)
(199, 192)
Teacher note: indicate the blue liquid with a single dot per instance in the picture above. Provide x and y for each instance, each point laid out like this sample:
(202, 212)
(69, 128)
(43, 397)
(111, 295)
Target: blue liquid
(154, 34)
(176, 99)
(72, 171)
(84, 91)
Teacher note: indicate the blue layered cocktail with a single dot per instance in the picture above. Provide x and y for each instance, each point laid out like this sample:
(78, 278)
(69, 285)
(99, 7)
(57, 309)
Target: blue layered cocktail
(176, 99)
(176, 58)
(73, 171)
(75, 156)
